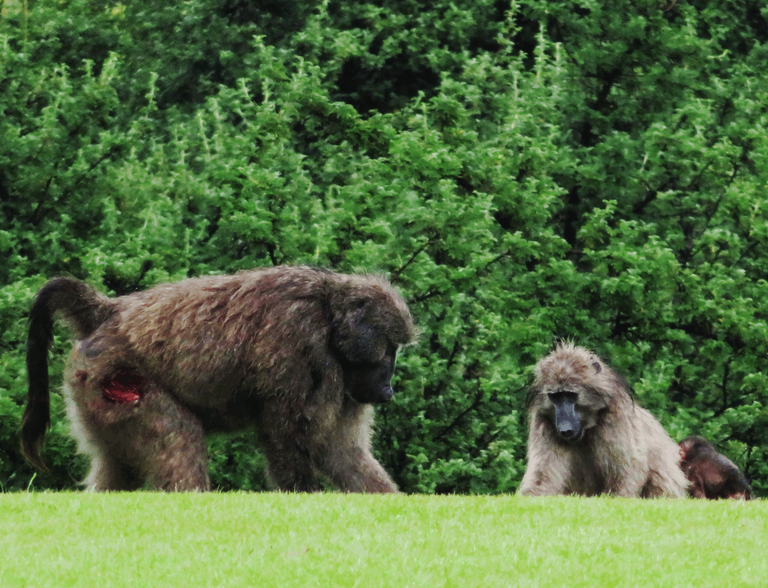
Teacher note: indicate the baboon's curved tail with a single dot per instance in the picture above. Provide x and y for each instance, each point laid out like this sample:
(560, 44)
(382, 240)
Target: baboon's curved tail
(84, 309)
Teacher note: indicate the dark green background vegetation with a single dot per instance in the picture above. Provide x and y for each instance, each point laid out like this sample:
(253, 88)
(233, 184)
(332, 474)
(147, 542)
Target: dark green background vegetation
(589, 170)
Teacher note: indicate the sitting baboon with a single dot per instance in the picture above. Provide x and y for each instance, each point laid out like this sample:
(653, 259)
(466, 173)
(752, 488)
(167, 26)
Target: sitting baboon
(300, 352)
(588, 436)
(711, 474)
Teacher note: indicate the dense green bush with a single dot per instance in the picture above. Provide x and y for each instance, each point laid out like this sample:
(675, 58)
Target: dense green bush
(520, 171)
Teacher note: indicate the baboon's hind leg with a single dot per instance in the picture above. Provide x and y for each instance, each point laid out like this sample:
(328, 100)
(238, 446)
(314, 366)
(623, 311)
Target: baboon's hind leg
(135, 432)
(109, 474)
(169, 446)
(109, 471)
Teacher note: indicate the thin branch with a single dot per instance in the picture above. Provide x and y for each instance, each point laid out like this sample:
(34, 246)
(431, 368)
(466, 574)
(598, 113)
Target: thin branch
(462, 414)
(426, 296)
(401, 269)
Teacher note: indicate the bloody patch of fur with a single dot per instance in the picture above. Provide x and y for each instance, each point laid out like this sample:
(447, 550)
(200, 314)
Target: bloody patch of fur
(123, 388)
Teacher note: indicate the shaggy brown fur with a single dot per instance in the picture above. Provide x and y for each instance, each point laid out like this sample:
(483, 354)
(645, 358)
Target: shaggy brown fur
(300, 352)
(711, 474)
(587, 435)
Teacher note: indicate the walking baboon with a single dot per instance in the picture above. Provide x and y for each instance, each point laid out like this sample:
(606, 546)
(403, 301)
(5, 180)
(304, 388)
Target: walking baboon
(300, 352)
(588, 436)
(711, 474)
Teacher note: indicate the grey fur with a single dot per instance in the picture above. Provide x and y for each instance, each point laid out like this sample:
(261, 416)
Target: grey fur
(624, 450)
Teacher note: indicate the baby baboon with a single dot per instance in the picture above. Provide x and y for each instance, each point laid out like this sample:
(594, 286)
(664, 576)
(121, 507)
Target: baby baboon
(711, 474)
(300, 352)
(587, 435)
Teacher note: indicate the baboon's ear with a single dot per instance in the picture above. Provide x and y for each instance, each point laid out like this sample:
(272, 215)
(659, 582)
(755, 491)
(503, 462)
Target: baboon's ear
(597, 367)
(357, 340)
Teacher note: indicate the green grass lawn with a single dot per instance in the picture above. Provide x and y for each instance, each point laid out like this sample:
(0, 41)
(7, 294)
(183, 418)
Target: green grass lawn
(285, 540)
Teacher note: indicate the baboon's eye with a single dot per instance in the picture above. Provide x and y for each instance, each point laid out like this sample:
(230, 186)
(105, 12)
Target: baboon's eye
(563, 396)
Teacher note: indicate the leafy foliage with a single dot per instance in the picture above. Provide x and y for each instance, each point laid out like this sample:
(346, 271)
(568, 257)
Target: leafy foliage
(520, 171)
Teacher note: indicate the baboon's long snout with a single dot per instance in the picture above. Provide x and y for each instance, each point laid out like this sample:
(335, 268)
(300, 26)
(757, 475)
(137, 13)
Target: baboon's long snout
(567, 420)
(570, 434)
(386, 394)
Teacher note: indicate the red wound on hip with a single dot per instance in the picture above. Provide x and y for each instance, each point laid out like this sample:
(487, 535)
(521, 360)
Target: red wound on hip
(123, 388)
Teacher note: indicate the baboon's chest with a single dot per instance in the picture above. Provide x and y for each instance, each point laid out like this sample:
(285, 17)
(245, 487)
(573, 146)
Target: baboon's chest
(586, 477)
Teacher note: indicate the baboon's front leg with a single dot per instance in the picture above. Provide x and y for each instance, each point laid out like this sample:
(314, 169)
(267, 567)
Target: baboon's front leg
(347, 457)
(547, 474)
(354, 469)
(288, 448)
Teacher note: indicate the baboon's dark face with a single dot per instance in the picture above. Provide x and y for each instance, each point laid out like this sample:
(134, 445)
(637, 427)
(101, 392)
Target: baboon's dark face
(692, 447)
(567, 418)
(370, 383)
(572, 411)
(366, 352)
